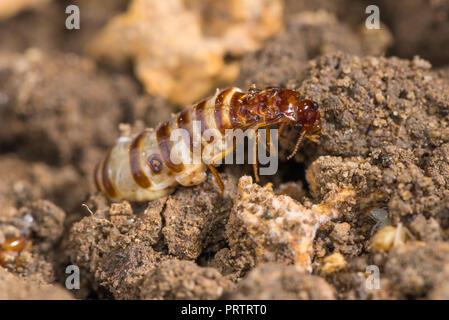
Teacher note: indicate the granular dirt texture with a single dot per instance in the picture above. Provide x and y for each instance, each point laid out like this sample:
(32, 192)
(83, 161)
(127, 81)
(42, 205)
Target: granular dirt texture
(390, 114)
(280, 282)
(414, 270)
(125, 243)
(181, 279)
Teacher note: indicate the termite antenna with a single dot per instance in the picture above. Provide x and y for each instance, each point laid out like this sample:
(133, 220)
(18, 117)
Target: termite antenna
(297, 145)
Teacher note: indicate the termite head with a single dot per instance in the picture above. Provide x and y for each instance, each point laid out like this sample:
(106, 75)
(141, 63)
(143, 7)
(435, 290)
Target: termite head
(307, 117)
(303, 115)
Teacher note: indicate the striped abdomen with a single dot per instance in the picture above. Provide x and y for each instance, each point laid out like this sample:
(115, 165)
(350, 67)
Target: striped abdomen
(149, 165)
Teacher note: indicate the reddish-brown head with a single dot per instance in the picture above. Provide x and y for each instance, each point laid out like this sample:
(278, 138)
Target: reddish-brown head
(304, 115)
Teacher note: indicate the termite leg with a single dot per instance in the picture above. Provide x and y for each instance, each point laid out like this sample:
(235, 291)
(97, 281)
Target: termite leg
(217, 179)
(267, 140)
(255, 164)
(281, 127)
(315, 138)
(269, 143)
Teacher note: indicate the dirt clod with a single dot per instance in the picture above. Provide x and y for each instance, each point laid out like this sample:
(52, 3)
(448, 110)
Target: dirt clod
(280, 282)
(178, 279)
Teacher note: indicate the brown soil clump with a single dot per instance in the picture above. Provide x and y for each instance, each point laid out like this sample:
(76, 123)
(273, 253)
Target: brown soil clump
(180, 279)
(126, 243)
(15, 288)
(280, 282)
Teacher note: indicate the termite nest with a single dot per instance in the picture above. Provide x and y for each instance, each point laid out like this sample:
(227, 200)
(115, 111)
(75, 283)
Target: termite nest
(367, 191)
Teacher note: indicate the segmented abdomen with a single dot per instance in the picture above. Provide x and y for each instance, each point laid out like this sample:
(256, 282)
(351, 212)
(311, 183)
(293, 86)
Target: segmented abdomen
(148, 166)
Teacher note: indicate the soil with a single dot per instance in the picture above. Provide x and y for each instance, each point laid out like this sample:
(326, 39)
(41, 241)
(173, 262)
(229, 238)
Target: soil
(371, 194)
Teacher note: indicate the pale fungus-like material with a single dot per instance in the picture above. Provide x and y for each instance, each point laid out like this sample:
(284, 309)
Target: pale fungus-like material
(178, 47)
(388, 237)
(241, 25)
(277, 228)
(334, 262)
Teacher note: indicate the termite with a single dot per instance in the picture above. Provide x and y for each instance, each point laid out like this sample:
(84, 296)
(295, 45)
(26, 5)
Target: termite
(12, 248)
(141, 168)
